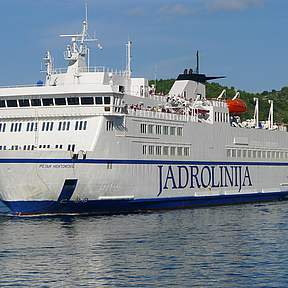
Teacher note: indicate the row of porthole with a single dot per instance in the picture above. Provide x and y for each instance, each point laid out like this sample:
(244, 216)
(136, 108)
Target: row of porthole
(165, 150)
(160, 130)
(256, 153)
(46, 126)
(70, 147)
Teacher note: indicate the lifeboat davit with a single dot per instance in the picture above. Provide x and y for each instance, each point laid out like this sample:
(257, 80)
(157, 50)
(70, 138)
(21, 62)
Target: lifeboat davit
(236, 106)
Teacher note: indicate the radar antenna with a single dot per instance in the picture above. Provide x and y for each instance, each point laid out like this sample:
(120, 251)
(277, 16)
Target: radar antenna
(78, 46)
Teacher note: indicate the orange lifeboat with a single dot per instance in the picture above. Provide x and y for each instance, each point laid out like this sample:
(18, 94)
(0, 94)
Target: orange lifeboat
(236, 106)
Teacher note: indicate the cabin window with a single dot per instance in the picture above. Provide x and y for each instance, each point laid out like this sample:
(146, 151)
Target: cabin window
(186, 151)
(179, 131)
(179, 151)
(143, 128)
(98, 100)
(109, 125)
(60, 101)
(2, 103)
(165, 150)
(172, 131)
(12, 103)
(165, 130)
(144, 150)
(85, 125)
(151, 150)
(73, 101)
(244, 152)
(233, 153)
(268, 154)
(158, 150)
(2, 127)
(87, 100)
(24, 102)
(47, 102)
(158, 129)
(107, 100)
(71, 147)
(172, 151)
(35, 102)
(150, 129)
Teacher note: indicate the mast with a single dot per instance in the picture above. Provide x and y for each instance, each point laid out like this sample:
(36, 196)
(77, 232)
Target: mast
(129, 58)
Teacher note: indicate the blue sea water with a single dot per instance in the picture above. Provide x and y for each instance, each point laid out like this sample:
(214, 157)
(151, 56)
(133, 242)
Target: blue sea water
(227, 246)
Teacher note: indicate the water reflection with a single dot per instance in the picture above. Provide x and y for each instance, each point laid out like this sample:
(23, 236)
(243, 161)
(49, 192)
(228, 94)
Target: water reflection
(237, 246)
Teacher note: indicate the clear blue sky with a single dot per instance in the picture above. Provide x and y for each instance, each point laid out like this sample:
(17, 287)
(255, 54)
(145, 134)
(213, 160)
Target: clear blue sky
(246, 40)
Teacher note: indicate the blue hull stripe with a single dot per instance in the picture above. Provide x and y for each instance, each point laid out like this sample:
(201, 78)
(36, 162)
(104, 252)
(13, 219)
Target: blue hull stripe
(123, 206)
(133, 161)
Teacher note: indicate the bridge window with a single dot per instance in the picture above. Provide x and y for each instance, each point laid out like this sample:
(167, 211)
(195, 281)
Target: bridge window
(2, 103)
(87, 100)
(47, 101)
(12, 103)
(107, 100)
(24, 102)
(98, 100)
(73, 101)
(35, 102)
(60, 101)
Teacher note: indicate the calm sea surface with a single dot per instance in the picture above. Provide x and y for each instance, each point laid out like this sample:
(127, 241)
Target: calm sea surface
(231, 246)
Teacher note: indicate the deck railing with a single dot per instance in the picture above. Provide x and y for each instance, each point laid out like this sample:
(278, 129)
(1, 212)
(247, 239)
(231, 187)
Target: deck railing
(163, 115)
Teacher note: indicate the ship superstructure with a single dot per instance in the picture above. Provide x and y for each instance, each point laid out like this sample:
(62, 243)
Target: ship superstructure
(94, 140)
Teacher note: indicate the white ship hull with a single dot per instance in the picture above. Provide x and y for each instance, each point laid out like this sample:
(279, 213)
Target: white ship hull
(36, 183)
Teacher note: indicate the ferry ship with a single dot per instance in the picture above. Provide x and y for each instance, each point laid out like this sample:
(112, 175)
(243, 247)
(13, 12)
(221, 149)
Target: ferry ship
(98, 141)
